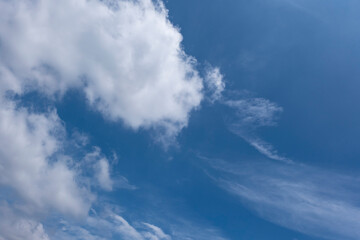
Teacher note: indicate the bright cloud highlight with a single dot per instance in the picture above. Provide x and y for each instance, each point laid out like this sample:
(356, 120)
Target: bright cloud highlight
(127, 58)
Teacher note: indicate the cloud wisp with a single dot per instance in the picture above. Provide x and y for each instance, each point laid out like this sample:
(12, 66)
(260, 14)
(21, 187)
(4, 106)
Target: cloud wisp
(302, 198)
(214, 81)
(110, 227)
(252, 114)
(109, 224)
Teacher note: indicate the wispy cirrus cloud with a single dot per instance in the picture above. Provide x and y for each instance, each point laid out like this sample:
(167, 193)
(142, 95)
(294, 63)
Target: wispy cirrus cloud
(252, 114)
(156, 234)
(306, 199)
(110, 224)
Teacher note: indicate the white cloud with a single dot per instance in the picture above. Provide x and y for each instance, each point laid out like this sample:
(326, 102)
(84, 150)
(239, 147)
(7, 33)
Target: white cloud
(263, 147)
(255, 112)
(107, 226)
(109, 223)
(98, 167)
(128, 59)
(127, 231)
(251, 114)
(15, 227)
(28, 164)
(302, 198)
(75, 233)
(103, 174)
(101, 168)
(215, 83)
(156, 233)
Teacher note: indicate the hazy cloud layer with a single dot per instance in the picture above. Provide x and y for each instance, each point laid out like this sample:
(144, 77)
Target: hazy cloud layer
(17, 227)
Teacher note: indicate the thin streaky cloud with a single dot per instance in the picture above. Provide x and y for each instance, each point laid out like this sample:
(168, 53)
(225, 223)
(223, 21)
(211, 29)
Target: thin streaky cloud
(302, 198)
(252, 114)
(265, 148)
(158, 233)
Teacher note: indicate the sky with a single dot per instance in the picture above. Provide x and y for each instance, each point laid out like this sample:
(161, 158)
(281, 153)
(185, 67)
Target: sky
(179, 120)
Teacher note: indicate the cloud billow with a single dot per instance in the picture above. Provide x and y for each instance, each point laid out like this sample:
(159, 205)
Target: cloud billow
(127, 59)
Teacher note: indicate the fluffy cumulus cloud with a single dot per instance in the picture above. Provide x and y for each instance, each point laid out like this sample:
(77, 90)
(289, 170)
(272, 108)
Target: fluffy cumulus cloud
(37, 175)
(126, 58)
(28, 162)
(125, 55)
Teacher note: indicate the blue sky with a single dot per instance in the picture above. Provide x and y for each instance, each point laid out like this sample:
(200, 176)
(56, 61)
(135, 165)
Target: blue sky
(178, 120)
